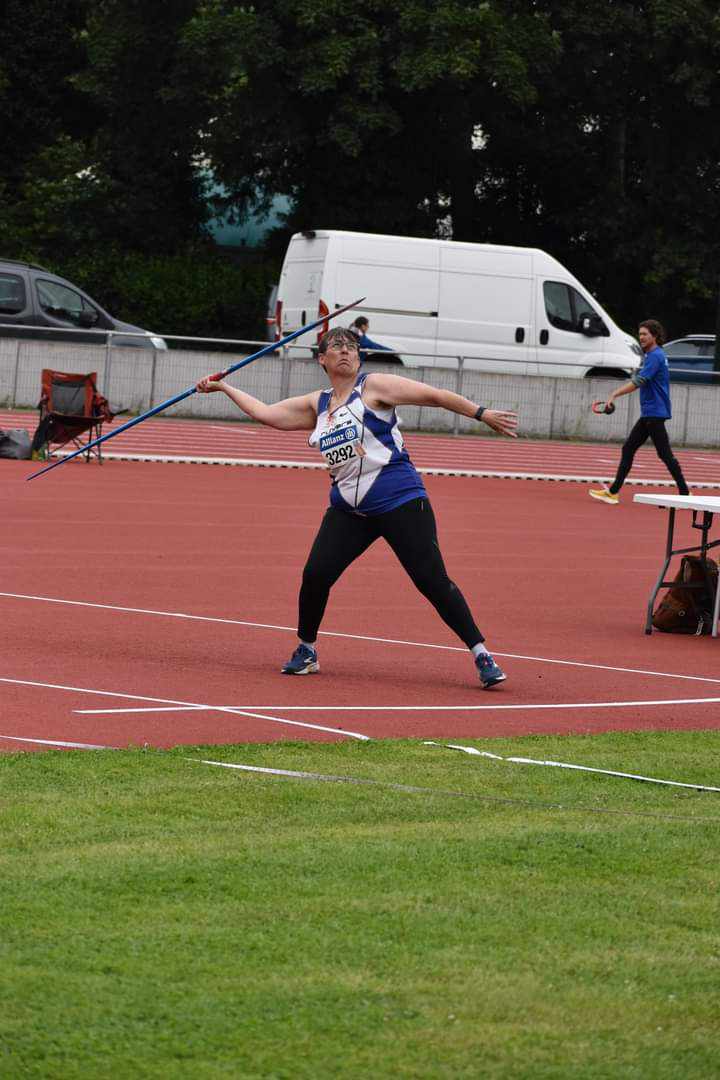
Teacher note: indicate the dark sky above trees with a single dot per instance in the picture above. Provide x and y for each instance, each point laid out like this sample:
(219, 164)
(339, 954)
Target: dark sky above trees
(589, 129)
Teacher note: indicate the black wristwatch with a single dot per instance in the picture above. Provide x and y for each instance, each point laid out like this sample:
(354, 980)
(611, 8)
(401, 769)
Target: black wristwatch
(479, 413)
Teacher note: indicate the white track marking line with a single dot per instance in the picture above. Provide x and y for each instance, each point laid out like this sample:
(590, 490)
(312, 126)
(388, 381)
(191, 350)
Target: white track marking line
(606, 667)
(298, 775)
(284, 772)
(253, 710)
(236, 710)
(295, 723)
(58, 742)
(146, 709)
(354, 637)
(564, 765)
(165, 614)
(189, 705)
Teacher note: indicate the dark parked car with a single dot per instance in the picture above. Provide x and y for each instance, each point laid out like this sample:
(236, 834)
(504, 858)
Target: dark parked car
(33, 297)
(690, 359)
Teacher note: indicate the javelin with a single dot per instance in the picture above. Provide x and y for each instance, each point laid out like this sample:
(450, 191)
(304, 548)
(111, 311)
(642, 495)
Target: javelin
(193, 389)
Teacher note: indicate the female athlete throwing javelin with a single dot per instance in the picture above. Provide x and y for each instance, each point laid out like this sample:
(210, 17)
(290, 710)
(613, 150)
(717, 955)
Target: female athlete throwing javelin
(376, 491)
(652, 379)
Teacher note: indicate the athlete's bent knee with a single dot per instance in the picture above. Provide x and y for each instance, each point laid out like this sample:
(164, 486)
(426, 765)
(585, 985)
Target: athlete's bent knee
(317, 578)
(438, 591)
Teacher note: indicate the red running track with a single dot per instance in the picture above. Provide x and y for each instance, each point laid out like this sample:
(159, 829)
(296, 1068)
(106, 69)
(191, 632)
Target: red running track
(236, 443)
(210, 560)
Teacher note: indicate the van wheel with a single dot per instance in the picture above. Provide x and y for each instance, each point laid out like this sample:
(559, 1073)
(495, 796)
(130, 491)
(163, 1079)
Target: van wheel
(607, 373)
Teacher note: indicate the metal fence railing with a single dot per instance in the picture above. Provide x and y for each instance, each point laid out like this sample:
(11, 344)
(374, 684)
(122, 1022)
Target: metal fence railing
(550, 406)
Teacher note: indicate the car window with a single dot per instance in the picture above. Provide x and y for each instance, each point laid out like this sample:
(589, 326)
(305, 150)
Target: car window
(12, 294)
(707, 348)
(565, 306)
(683, 347)
(61, 302)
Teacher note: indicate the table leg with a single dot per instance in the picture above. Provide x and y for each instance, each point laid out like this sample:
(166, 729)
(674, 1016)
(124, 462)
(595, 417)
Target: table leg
(668, 557)
(716, 609)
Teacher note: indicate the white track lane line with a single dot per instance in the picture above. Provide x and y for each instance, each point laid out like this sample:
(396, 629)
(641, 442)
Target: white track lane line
(250, 710)
(188, 704)
(58, 742)
(146, 709)
(587, 476)
(356, 637)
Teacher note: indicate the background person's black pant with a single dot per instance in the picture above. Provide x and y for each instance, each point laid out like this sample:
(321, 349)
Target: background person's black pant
(649, 427)
(411, 532)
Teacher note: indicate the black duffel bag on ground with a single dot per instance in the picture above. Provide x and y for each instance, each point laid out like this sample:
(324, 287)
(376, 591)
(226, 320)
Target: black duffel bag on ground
(15, 444)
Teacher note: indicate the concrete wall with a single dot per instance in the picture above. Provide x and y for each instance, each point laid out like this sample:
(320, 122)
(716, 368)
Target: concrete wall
(549, 407)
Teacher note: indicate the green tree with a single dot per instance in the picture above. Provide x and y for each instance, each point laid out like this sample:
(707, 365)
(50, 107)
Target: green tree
(40, 51)
(149, 137)
(57, 204)
(364, 112)
(615, 168)
(98, 148)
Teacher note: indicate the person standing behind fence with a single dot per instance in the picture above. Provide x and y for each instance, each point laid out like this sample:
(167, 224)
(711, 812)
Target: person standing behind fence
(360, 328)
(652, 379)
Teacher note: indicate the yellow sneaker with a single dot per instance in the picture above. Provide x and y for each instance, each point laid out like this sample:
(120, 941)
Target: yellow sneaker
(604, 494)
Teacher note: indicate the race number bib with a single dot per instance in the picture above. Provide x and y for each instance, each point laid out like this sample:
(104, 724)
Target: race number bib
(340, 446)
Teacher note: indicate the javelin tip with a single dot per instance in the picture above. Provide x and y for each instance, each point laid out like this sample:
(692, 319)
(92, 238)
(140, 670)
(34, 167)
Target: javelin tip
(45, 469)
(347, 307)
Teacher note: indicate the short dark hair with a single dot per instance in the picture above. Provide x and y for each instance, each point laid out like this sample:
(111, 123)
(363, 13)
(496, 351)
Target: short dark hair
(337, 333)
(656, 329)
(361, 320)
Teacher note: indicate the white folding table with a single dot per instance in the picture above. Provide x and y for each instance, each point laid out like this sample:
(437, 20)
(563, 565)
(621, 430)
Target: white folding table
(707, 505)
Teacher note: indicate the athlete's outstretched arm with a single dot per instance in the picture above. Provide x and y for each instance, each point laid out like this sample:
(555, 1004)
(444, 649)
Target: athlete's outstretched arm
(390, 390)
(292, 414)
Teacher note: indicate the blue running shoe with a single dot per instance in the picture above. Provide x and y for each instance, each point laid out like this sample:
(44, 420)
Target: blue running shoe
(490, 674)
(303, 661)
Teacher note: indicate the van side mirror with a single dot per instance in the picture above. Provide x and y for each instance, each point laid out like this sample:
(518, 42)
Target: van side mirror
(86, 319)
(592, 325)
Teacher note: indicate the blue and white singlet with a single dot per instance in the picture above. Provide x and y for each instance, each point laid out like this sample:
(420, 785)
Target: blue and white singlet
(370, 468)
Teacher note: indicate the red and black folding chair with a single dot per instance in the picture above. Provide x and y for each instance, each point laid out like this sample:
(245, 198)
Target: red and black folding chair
(71, 411)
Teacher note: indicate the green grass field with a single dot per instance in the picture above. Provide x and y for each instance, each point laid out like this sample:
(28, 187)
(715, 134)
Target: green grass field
(164, 918)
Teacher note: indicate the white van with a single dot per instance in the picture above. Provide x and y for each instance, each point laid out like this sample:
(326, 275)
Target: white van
(502, 309)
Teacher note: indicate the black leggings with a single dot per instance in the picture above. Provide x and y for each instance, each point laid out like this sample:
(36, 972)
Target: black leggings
(649, 427)
(411, 533)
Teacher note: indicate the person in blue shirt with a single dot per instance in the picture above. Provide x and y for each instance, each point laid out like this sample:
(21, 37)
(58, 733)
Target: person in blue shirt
(652, 379)
(360, 328)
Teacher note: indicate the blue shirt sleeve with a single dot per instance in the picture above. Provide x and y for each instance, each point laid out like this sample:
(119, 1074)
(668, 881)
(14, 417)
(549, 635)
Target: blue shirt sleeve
(368, 343)
(650, 366)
